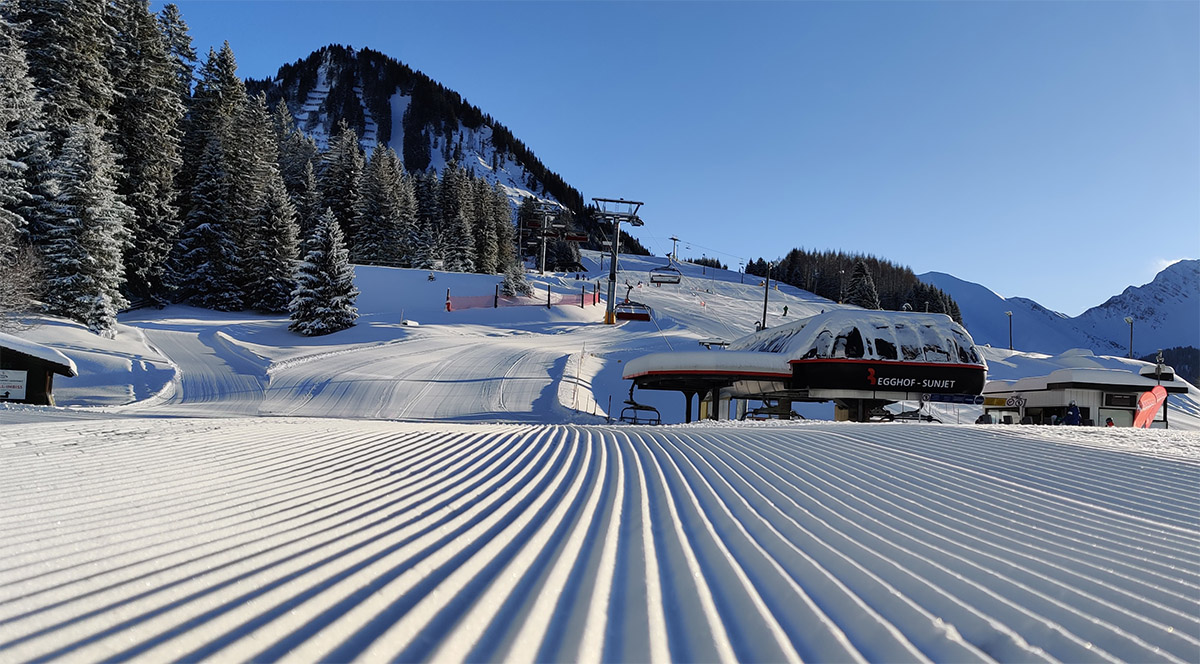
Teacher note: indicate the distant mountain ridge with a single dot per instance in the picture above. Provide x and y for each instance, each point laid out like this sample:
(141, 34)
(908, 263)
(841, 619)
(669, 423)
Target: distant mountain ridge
(387, 102)
(427, 124)
(1166, 314)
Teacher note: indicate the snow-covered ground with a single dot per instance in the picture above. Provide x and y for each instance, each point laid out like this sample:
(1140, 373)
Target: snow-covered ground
(445, 485)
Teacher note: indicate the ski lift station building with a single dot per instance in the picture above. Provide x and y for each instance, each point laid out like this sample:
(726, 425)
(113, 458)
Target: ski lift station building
(1099, 393)
(860, 360)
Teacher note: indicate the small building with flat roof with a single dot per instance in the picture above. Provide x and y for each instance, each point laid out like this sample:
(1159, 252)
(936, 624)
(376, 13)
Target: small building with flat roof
(27, 371)
(1098, 393)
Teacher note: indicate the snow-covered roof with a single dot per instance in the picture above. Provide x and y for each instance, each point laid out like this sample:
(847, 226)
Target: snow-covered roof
(12, 342)
(733, 364)
(1115, 378)
(870, 335)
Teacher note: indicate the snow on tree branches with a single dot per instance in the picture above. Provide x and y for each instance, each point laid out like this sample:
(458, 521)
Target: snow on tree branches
(323, 301)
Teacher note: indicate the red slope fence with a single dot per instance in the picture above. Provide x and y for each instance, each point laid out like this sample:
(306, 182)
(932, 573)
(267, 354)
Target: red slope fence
(584, 297)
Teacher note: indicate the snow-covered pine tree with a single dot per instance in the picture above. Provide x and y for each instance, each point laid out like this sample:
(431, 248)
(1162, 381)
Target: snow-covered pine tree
(502, 220)
(273, 259)
(86, 234)
(483, 227)
(378, 238)
(178, 41)
(297, 151)
(147, 131)
(24, 152)
(24, 156)
(339, 178)
(323, 301)
(251, 163)
(861, 290)
(455, 201)
(430, 249)
(218, 97)
(460, 254)
(208, 254)
(307, 203)
(67, 45)
(408, 236)
(515, 282)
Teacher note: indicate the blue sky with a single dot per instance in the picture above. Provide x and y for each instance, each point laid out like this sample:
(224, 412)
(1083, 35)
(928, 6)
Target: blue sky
(1044, 150)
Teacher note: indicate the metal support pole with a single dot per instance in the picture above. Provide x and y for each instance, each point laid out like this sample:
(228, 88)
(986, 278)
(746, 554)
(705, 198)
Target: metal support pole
(766, 292)
(610, 316)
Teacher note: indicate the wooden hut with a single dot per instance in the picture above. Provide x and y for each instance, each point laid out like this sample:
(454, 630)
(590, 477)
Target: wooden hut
(27, 371)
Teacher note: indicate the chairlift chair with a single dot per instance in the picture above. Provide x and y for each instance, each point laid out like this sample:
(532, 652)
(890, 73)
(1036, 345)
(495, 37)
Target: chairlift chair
(638, 413)
(628, 310)
(665, 275)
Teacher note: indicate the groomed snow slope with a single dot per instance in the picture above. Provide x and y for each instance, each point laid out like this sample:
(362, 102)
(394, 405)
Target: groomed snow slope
(179, 507)
(331, 540)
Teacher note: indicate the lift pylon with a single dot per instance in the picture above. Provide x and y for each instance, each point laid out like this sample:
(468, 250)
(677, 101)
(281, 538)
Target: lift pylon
(616, 210)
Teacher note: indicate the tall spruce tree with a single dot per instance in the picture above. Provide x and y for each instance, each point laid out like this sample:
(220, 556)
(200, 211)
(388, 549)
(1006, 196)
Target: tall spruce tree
(86, 234)
(861, 290)
(67, 46)
(323, 301)
(460, 253)
(24, 152)
(378, 241)
(406, 201)
(208, 251)
(218, 98)
(307, 203)
(340, 179)
(430, 249)
(147, 115)
(273, 257)
(24, 157)
(483, 227)
(251, 164)
(297, 151)
(178, 41)
(502, 220)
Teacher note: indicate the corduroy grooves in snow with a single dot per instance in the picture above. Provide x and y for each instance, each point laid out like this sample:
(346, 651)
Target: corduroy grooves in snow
(140, 520)
(326, 540)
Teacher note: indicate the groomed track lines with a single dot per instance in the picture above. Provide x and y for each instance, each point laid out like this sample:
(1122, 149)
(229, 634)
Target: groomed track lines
(262, 539)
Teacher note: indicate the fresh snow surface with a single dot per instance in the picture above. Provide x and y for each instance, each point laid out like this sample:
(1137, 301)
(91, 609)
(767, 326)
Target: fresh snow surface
(215, 487)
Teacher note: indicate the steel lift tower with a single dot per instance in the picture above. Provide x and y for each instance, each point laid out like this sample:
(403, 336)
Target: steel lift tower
(616, 210)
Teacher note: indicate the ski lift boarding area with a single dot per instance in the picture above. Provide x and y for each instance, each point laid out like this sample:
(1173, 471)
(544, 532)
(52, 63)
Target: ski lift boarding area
(861, 360)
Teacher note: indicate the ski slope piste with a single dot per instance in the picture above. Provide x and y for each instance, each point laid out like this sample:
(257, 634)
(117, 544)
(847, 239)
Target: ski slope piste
(213, 487)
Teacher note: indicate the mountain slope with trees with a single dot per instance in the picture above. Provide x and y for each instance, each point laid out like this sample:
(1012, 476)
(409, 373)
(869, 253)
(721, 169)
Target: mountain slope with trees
(867, 281)
(369, 91)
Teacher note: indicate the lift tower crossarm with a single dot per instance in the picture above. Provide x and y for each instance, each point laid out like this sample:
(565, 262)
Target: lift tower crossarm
(616, 210)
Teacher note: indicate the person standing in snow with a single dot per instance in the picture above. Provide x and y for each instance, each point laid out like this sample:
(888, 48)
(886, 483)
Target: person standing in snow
(1072, 418)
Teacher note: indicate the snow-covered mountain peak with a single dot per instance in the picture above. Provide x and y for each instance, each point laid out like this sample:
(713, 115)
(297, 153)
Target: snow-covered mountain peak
(1166, 314)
